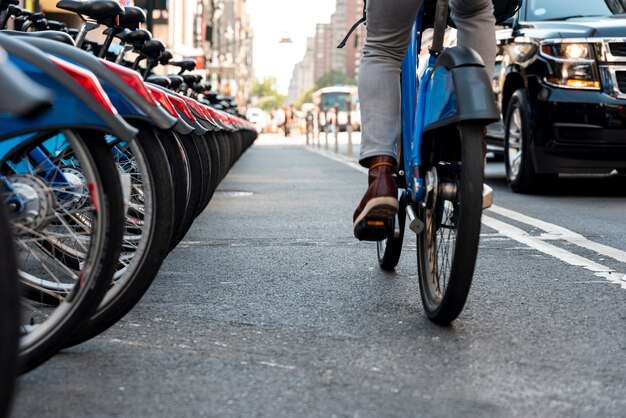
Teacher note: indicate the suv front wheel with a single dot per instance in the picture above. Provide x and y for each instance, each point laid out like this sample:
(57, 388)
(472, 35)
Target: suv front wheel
(518, 135)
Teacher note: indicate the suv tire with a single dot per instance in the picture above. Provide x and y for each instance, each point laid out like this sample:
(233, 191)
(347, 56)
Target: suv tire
(518, 137)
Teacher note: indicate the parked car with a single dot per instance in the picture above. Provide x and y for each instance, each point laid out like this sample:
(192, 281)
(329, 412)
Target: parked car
(560, 82)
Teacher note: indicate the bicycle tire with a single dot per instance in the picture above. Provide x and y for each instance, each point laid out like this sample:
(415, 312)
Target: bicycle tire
(9, 315)
(451, 227)
(45, 328)
(205, 159)
(224, 154)
(179, 170)
(214, 152)
(236, 146)
(390, 249)
(151, 173)
(196, 186)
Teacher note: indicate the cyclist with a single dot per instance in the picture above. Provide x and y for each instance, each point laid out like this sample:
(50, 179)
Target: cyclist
(388, 31)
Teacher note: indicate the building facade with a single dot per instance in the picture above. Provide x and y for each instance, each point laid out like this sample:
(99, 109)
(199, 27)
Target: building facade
(303, 77)
(216, 33)
(230, 43)
(322, 54)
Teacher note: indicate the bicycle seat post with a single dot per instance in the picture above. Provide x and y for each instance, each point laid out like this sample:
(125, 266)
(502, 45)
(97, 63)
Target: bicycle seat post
(84, 29)
(439, 31)
(122, 53)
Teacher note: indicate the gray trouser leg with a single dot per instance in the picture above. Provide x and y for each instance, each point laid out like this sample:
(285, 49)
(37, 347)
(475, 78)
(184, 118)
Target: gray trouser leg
(388, 32)
(476, 28)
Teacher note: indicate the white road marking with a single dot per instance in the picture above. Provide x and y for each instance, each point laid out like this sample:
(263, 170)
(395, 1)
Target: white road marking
(555, 232)
(279, 366)
(350, 162)
(552, 233)
(538, 244)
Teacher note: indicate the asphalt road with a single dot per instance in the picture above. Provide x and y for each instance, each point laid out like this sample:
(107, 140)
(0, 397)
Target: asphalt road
(271, 308)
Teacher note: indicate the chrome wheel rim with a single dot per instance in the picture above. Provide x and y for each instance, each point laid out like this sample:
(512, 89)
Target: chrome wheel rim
(514, 144)
(72, 236)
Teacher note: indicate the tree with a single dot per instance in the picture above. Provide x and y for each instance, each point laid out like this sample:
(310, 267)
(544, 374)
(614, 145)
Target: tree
(264, 87)
(269, 97)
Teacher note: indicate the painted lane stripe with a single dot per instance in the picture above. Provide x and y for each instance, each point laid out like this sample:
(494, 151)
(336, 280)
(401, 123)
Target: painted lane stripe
(555, 232)
(538, 244)
(350, 162)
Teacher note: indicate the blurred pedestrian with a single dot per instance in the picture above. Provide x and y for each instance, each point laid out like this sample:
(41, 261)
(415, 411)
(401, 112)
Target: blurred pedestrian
(279, 120)
(288, 119)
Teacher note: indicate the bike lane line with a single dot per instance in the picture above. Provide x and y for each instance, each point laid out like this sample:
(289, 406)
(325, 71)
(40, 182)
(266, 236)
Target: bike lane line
(350, 162)
(555, 232)
(538, 244)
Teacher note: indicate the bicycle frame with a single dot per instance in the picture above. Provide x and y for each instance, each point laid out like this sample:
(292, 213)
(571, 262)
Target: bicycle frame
(447, 73)
(411, 115)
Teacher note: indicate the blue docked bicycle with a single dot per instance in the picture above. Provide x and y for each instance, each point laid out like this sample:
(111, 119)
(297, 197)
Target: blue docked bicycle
(440, 177)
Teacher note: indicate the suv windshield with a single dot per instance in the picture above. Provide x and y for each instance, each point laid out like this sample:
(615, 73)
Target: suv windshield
(562, 10)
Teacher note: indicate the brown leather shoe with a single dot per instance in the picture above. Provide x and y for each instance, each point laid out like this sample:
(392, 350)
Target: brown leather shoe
(373, 219)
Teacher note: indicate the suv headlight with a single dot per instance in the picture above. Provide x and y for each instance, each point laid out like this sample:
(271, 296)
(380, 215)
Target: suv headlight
(573, 65)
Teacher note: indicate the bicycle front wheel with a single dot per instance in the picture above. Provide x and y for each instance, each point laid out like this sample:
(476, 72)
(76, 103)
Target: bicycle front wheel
(9, 315)
(67, 234)
(147, 229)
(448, 246)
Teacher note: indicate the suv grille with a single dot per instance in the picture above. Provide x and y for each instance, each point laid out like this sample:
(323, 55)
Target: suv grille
(621, 80)
(618, 49)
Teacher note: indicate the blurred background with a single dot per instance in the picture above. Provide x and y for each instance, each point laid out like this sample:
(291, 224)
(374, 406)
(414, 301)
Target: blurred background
(270, 55)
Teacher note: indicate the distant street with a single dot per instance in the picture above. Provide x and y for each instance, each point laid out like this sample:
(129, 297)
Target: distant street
(270, 307)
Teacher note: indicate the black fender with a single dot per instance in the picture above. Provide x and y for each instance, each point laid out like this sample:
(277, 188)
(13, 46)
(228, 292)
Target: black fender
(183, 127)
(461, 91)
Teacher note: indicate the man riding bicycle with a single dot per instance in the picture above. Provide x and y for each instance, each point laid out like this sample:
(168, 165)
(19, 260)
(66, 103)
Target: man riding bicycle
(388, 31)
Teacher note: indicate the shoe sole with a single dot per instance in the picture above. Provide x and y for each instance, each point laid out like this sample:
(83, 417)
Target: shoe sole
(376, 219)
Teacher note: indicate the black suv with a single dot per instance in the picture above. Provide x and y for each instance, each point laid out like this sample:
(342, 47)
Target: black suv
(560, 82)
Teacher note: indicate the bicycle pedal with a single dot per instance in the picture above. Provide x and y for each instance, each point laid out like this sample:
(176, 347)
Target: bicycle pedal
(415, 224)
(373, 229)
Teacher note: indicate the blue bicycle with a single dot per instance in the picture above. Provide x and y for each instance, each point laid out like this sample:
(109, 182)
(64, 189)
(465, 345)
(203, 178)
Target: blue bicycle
(441, 167)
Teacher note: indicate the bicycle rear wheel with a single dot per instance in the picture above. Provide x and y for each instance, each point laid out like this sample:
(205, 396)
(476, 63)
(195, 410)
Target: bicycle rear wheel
(448, 246)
